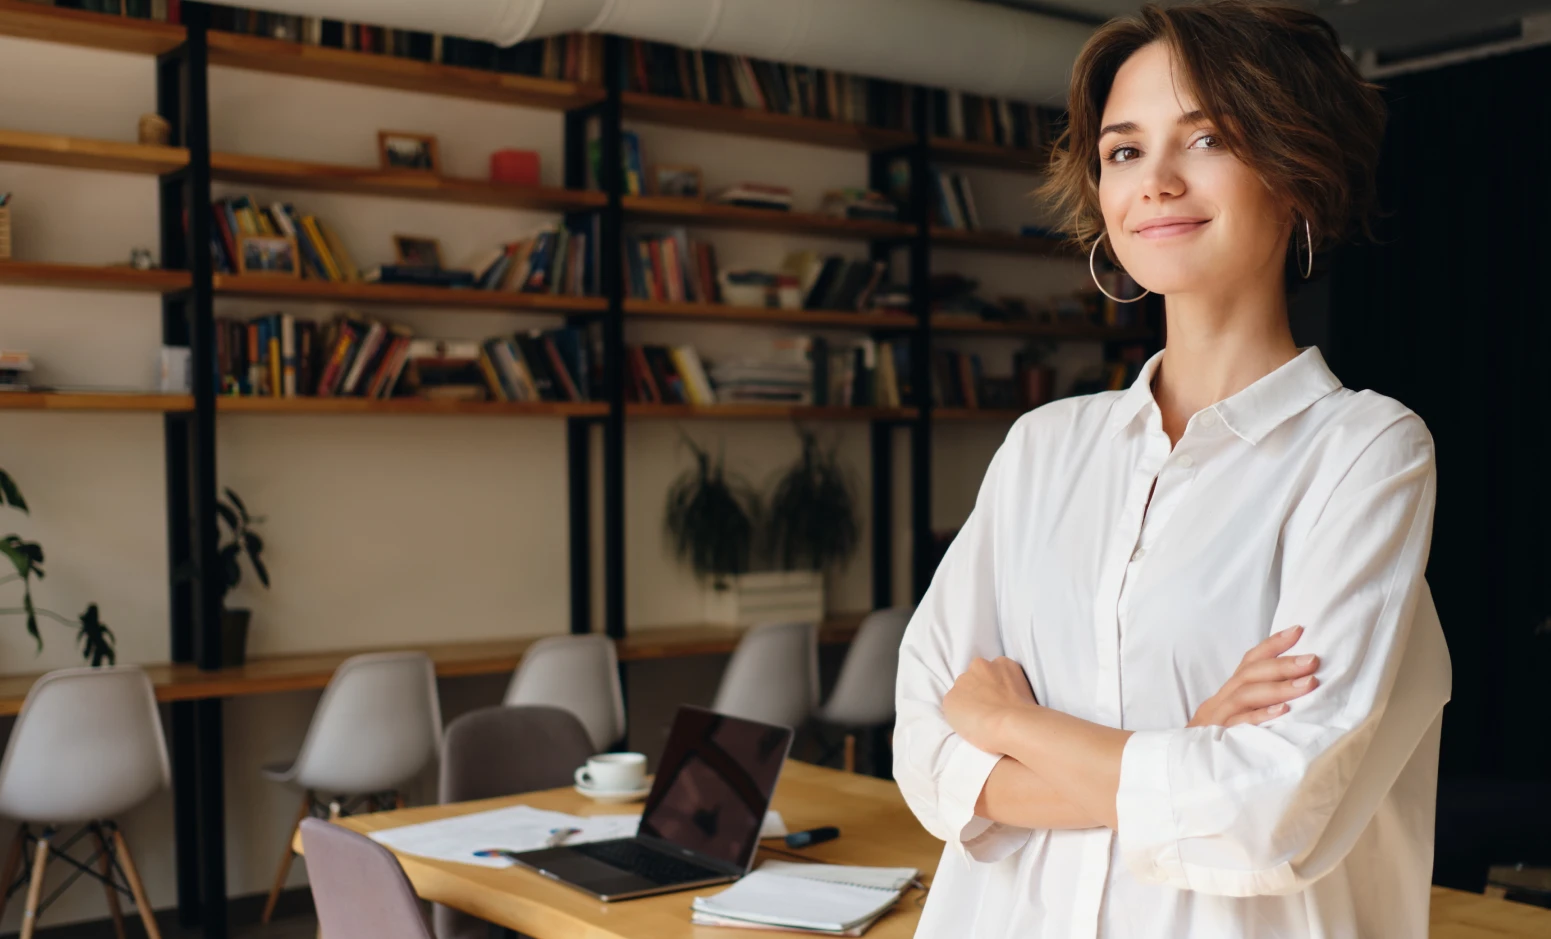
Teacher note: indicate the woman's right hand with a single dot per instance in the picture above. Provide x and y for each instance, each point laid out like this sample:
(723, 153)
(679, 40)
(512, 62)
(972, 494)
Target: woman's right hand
(1262, 686)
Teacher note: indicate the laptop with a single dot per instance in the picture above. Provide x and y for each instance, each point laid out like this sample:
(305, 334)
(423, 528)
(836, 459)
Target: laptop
(702, 819)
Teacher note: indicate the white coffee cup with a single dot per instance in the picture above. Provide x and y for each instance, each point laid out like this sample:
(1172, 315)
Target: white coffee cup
(613, 772)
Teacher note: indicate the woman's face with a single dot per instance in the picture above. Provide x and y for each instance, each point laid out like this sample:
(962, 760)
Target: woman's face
(1183, 213)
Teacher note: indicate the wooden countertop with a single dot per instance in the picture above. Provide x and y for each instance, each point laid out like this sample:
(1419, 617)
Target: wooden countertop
(879, 828)
(273, 673)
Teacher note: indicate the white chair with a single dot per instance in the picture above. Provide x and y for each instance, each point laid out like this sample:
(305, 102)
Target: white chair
(377, 726)
(86, 748)
(773, 675)
(579, 674)
(863, 698)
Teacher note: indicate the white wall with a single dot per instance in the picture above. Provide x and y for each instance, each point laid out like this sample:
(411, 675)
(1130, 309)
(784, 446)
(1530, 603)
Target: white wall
(381, 530)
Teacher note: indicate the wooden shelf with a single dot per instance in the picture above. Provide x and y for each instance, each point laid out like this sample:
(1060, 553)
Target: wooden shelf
(327, 177)
(260, 405)
(92, 401)
(970, 415)
(950, 325)
(18, 146)
(90, 277)
(975, 153)
(92, 30)
(761, 316)
(1004, 241)
(723, 119)
(256, 53)
(714, 215)
(765, 412)
(292, 288)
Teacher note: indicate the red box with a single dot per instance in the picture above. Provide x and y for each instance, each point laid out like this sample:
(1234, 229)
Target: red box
(518, 167)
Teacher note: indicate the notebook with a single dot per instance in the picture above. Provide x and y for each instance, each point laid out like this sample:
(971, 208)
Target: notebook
(828, 898)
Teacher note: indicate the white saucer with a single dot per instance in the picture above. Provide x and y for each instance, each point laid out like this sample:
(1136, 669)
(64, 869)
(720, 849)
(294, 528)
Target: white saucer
(613, 797)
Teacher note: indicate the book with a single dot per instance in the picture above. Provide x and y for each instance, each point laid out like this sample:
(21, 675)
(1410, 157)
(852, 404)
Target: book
(826, 898)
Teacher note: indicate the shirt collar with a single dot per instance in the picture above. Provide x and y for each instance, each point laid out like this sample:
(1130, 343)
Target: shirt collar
(1254, 411)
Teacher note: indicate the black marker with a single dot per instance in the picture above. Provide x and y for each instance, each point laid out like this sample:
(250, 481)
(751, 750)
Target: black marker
(803, 839)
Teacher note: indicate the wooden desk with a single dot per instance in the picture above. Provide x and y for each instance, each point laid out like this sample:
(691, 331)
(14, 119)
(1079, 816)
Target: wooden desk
(274, 673)
(879, 829)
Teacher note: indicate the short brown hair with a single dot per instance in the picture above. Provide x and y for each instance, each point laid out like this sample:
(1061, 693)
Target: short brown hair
(1272, 79)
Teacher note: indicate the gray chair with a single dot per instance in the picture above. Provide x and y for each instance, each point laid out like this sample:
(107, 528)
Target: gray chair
(358, 887)
(504, 751)
(863, 698)
(376, 727)
(579, 674)
(87, 747)
(773, 675)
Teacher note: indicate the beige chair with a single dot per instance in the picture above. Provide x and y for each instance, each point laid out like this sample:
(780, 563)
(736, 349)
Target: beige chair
(358, 886)
(863, 698)
(377, 726)
(87, 748)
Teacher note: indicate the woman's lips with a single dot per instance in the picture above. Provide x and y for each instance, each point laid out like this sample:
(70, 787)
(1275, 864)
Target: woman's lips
(1173, 228)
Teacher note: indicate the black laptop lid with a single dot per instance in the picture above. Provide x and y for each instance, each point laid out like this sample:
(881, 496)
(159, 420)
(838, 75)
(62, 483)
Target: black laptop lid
(714, 784)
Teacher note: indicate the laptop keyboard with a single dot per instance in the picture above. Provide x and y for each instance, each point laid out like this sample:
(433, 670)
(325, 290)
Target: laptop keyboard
(655, 866)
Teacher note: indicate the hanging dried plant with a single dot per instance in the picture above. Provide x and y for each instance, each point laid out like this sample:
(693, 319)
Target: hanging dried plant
(710, 518)
(812, 511)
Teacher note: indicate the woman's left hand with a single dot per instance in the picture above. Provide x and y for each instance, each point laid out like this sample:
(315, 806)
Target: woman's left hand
(981, 700)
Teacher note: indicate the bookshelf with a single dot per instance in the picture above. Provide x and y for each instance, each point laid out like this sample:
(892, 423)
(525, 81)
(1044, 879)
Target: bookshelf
(991, 156)
(765, 412)
(89, 30)
(297, 289)
(722, 119)
(93, 401)
(227, 404)
(767, 316)
(91, 277)
(706, 214)
(88, 154)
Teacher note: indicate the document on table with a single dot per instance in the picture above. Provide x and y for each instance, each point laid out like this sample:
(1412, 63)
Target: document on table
(515, 828)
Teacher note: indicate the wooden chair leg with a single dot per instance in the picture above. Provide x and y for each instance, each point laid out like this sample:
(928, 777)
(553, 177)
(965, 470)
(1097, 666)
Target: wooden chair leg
(35, 887)
(13, 863)
(398, 800)
(850, 757)
(105, 852)
(286, 857)
(136, 888)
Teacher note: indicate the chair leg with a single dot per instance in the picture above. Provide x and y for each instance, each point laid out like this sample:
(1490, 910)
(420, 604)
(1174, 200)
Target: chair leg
(398, 799)
(136, 888)
(13, 863)
(286, 856)
(111, 884)
(850, 753)
(35, 887)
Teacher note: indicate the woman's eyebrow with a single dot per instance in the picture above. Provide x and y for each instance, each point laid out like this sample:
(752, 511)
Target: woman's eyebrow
(1131, 127)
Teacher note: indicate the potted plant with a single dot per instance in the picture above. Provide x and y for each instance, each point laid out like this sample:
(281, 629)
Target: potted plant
(710, 519)
(94, 638)
(238, 539)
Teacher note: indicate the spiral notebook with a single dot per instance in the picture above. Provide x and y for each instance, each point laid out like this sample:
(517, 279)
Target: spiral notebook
(837, 899)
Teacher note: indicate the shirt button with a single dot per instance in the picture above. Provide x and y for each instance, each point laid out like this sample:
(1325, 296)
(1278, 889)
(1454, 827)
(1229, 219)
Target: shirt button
(1138, 553)
(1208, 418)
(1186, 462)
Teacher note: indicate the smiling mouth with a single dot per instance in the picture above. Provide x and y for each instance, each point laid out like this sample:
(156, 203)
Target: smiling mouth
(1172, 229)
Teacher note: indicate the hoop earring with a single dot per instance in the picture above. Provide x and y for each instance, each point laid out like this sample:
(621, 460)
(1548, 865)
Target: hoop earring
(1094, 274)
(1308, 235)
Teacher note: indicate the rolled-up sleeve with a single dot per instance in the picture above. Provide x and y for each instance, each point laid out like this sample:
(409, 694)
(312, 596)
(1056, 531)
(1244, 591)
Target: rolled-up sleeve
(941, 775)
(1270, 808)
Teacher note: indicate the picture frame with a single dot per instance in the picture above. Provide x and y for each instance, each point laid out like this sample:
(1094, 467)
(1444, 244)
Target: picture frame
(268, 256)
(417, 251)
(678, 180)
(402, 151)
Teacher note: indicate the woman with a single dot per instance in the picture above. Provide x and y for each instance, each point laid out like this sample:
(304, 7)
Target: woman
(1078, 716)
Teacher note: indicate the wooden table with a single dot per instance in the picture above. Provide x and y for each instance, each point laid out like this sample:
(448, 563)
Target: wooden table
(310, 671)
(878, 829)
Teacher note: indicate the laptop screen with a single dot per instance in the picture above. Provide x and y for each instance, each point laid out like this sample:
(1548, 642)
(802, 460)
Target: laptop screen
(714, 784)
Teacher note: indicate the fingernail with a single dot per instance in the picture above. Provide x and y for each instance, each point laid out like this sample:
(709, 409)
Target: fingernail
(1305, 659)
(1303, 682)
(1276, 708)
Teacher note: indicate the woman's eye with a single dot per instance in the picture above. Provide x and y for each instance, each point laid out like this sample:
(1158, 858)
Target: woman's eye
(1122, 154)
(1207, 142)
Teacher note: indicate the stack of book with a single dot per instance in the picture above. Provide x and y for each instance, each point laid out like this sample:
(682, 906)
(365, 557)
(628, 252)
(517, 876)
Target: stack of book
(953, 201)
(543, 365)
(739, 81)
(756, 196)
(782, 375)
(852, 202)
(559, 260)
(664, 375)
(323, 255)
(632, 165)
(833, 282)
(671, 267)
(964, 116)
(15, 371)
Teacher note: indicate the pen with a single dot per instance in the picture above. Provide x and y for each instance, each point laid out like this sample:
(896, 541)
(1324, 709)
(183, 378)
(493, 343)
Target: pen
(557, 836)
(802, 839)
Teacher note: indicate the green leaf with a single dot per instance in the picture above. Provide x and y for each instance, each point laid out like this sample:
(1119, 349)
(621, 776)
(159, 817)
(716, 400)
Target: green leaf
(255, 546)
(95, 638)
(10, 546)
(227, 515)
(231, 571)
(10, 494)
(238, 503)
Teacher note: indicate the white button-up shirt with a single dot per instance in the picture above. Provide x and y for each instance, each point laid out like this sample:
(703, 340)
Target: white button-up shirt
(1294, 502)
